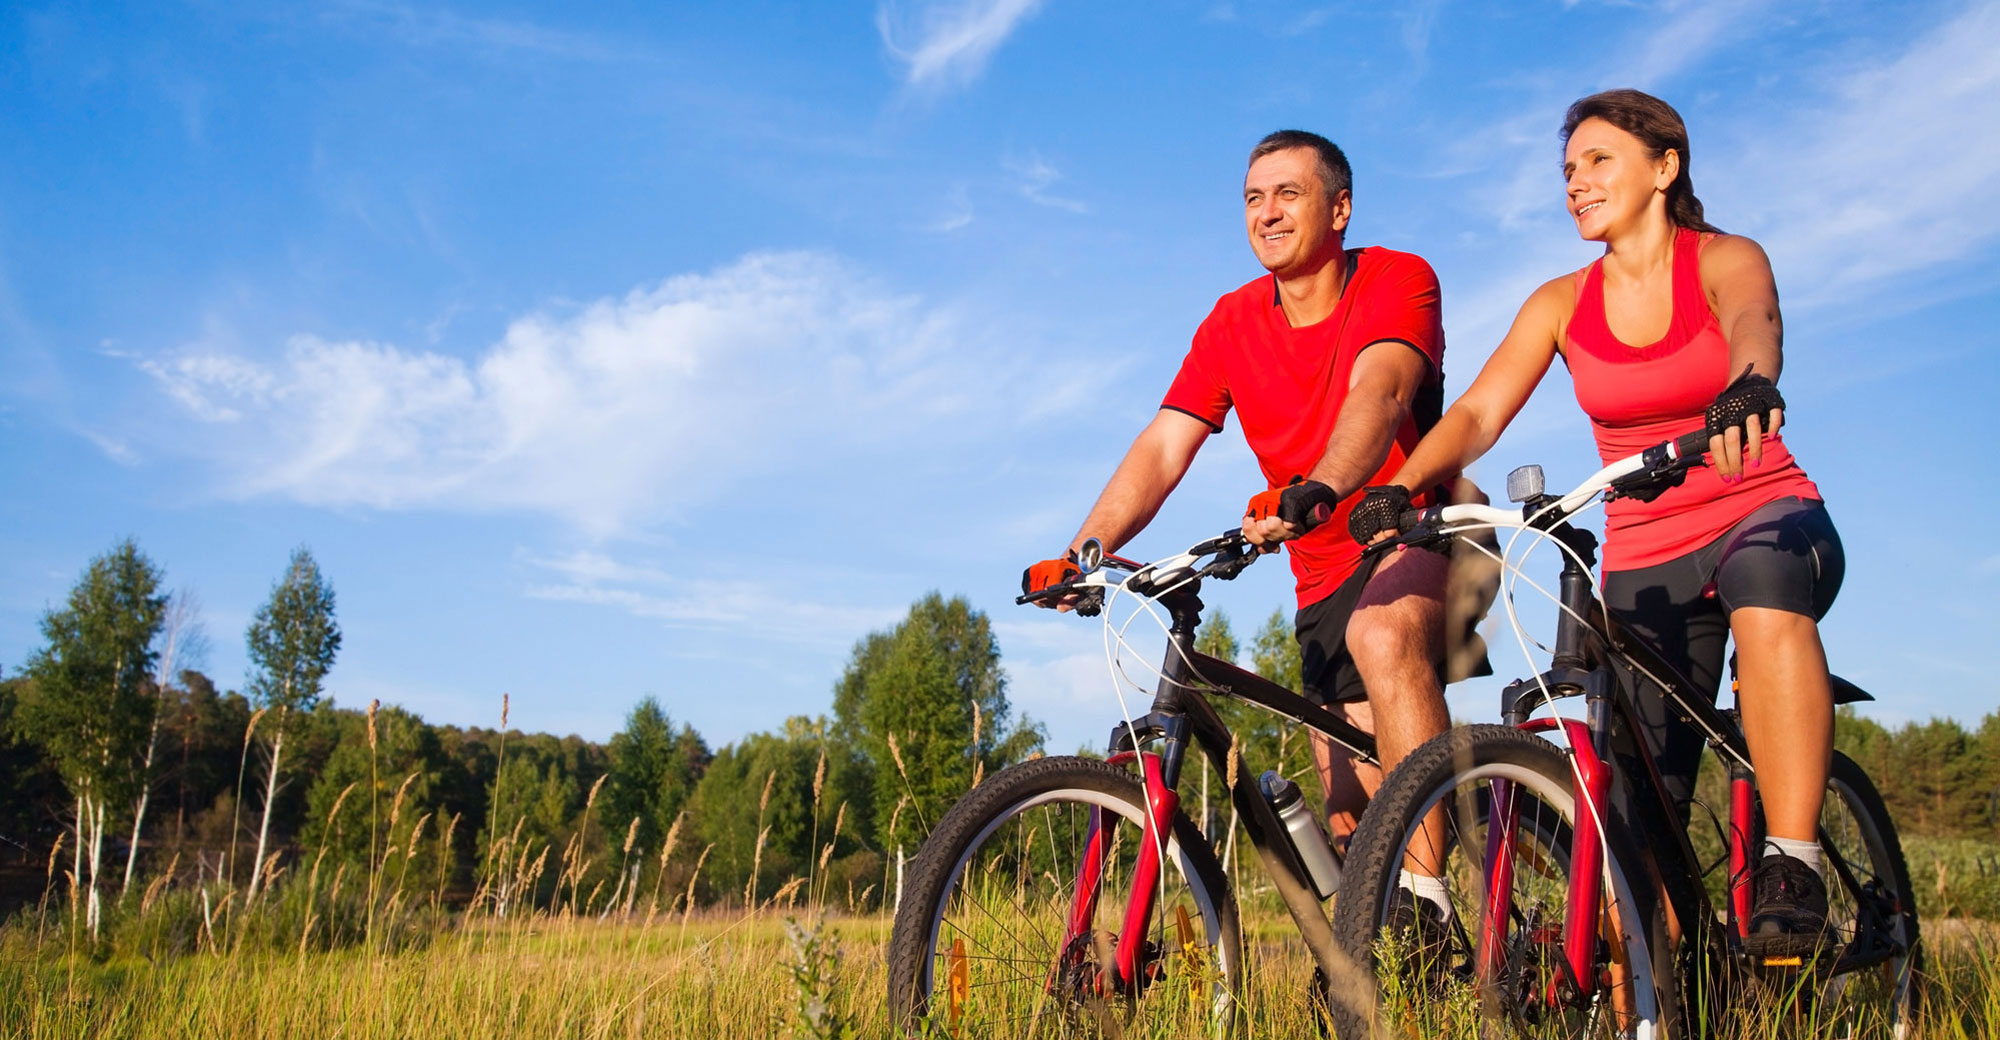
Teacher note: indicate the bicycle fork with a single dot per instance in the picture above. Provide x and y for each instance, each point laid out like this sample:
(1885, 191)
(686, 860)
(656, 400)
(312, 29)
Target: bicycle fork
(1162, 802)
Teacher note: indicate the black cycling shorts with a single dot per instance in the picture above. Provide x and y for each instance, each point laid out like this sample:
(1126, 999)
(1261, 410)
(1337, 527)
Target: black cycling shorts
(1785, 556)
(1326, 670)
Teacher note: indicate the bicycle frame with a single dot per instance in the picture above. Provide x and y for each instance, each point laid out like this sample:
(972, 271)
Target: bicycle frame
(1619, 786)
(1158, 742)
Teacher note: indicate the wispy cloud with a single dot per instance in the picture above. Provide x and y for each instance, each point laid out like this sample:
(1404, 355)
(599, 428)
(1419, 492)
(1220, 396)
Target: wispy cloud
(957, 213)
(1035, 176)
(622, 413)
(734, 604)
(1877, 179)
(947, 43)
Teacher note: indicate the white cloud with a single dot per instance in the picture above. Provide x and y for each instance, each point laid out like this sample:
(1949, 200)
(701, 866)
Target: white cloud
(738, 603)
(1035, 175)
(1883, 176)
(951, 40)
(626, 411)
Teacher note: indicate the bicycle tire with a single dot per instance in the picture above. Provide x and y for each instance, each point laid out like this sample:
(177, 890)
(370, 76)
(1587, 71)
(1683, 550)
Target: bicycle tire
(950, 898)
(1452, 770)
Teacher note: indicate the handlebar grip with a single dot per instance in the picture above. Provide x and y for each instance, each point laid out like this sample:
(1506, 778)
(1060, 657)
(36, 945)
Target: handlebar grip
(1692, 446)
(1409, 518)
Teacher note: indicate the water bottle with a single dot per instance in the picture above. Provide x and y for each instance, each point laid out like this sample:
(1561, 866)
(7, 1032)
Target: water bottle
(1304, 826)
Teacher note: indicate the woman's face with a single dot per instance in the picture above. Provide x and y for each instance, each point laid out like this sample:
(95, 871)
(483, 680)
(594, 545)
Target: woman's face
(1613, 182)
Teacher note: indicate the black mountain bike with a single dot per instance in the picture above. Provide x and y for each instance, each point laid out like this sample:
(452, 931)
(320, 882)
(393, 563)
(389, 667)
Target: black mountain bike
(1070, 895)
(1579, 903)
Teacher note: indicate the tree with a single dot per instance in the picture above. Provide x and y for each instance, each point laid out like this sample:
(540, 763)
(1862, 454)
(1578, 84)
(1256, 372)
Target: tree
(926, 706)
(403, 780)
(292, 640)
(754, 805)
(654, 767)
(182, 642)
(90, 711)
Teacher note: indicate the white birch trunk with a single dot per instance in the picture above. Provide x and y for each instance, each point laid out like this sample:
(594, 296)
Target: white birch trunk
(96, 862)
(270, 794)
(139, 812)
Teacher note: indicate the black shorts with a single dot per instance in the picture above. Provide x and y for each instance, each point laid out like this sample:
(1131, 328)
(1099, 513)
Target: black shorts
(1327, 674)
(1785, 556)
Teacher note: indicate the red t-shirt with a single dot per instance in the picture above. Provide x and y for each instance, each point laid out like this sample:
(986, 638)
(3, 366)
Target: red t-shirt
(1287, 384)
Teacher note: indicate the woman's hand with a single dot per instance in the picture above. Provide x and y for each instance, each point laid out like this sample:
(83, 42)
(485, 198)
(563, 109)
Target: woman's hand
(1744, 413)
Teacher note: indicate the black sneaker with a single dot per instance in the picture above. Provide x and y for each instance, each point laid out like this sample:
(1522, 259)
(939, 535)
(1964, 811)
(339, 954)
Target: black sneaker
(1788, 909)
(1419, 926)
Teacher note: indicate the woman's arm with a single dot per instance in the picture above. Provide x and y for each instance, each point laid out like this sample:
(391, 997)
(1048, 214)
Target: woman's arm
(1476, 419)
(1736, 275)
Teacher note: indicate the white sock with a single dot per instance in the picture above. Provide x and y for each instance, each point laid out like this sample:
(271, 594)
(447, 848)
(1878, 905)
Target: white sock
(1806, 852)
(1428, 887)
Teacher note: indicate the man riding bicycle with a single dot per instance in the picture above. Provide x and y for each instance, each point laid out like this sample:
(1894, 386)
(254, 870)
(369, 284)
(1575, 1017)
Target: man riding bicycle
(1334, 364)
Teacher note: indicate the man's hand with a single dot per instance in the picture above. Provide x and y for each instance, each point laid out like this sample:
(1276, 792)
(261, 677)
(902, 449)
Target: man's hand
(1744, 413)
(1282, 514)
(1375, 516)
(1041, 575)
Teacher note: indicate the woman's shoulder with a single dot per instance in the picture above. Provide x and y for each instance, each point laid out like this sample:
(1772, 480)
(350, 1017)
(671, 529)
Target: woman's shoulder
(1725, 257)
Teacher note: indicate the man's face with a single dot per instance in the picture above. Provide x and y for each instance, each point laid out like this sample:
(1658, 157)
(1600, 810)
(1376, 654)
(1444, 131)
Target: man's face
(1294, 226)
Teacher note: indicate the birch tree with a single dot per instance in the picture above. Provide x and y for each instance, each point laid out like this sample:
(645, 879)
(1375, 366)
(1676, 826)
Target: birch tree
(292, 640)
(90, 711)
(181, 643)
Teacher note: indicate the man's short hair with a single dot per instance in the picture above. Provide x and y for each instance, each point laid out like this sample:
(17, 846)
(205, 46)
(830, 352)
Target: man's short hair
(1333, 169)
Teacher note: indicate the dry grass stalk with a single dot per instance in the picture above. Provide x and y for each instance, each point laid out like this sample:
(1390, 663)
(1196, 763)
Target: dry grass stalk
(594, 788)
(978, 772)
(416, 835)
(756, 864)
(396, 807)
(764, 802)
(896, 753)
(631, 835)
(819, 774)
(591, 900)
(55, 853)
(503, 712)
(789, 894)
(673, 839)
(373, 707)
(153, 890)
(976, 720)
(339, 801)
(1235, 756)
(251, 729)
(699, 860)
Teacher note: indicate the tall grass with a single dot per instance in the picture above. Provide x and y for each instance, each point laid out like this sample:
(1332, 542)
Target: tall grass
(353, 950)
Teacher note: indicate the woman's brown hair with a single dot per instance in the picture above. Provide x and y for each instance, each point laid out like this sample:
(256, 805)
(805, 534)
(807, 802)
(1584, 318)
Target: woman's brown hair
(1659, 127)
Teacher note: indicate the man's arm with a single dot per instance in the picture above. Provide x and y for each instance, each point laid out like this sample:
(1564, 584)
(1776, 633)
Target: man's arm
(1155, 463)
(1380, 388)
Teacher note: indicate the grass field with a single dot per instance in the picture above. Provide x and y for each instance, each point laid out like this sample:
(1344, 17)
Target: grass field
(744, 976)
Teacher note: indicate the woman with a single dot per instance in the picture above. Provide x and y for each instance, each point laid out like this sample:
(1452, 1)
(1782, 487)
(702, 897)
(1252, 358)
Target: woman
(1675, 326)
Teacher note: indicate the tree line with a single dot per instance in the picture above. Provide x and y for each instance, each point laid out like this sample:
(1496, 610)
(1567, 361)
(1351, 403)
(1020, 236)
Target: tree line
(120, 759)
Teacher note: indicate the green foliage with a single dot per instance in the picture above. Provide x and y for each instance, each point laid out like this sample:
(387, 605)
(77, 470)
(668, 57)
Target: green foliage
(293, 638)
(758, 792)
(815, 968)
(406, 749)
(933, 684)
(87, 705)
(653, 771)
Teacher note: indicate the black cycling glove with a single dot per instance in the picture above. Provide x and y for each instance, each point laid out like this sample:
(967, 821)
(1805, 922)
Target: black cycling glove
(1749, 395)
(1380, 509)
(1305, 504)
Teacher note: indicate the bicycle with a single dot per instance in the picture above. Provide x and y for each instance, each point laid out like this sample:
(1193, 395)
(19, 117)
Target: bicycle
(1005, 924)
(1581, 941)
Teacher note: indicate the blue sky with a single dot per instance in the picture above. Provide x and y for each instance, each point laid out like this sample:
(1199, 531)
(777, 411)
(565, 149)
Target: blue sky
(635, 349)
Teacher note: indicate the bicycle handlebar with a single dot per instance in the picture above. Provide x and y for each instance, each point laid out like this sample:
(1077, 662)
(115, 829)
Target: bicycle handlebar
(1230, 552)
(1659, 462)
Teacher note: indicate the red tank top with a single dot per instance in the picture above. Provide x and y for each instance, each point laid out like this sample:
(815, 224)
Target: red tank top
(1637, 397)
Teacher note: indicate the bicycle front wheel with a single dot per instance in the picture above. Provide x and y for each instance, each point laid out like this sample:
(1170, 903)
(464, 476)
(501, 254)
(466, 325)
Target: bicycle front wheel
(1497, 966)
(985, 941)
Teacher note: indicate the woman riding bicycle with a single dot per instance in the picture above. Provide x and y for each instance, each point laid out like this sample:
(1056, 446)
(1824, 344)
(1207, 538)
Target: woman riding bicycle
(1742, 547)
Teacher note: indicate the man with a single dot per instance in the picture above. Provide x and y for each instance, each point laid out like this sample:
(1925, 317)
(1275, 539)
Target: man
(1333, 363)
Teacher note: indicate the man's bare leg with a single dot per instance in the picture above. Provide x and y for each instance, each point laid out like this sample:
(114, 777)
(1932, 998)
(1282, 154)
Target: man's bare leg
(1346, 784)
(1396, 636)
